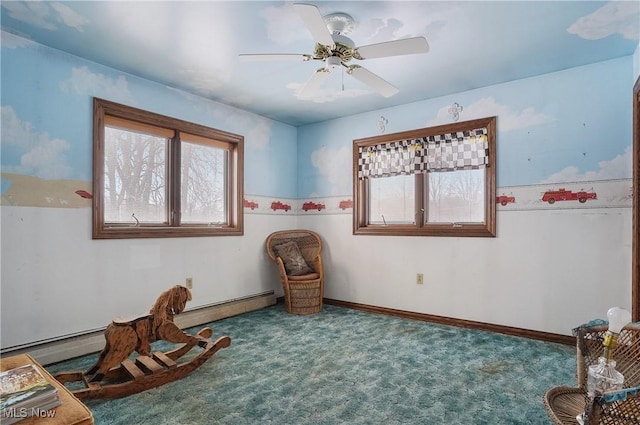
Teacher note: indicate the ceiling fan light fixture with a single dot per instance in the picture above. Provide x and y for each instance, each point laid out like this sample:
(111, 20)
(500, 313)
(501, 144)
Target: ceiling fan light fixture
(333, 62)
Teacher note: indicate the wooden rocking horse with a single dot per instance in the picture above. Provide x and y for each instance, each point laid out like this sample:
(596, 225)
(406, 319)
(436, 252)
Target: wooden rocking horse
(115, 375)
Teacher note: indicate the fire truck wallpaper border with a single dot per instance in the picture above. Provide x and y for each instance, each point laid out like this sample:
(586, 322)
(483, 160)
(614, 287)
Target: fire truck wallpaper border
(593, 194)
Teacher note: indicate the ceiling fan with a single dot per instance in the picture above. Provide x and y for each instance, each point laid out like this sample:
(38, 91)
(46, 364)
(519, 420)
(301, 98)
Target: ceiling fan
(335, 50)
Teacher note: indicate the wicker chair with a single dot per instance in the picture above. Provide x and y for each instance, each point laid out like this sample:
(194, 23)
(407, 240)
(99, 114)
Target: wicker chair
(563, 404)
(303, 292)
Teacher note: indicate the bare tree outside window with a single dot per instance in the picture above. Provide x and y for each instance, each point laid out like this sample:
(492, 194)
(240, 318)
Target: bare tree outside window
(459, 197)
(134, 173)
(203, 185)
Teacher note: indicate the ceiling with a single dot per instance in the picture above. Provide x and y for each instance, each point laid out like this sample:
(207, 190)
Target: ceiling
(194, 46)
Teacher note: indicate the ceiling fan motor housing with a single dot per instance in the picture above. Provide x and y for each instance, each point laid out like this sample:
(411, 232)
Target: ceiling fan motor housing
(343, 48)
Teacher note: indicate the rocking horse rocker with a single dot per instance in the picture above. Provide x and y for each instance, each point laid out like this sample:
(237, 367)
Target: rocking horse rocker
(115, 375)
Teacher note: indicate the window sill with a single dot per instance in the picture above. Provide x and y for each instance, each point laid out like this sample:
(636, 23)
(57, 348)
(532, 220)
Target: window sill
(445, 230)
(140, 232)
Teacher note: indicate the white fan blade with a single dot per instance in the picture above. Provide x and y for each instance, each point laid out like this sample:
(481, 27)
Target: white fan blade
(274, 57)
(314, 22)
(314, 82)
(372, 80)
(404, 46)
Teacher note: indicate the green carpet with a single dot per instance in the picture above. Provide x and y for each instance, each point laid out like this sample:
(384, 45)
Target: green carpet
(343, 366)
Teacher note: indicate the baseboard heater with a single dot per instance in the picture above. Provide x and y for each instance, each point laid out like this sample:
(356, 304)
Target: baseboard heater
(78, 345)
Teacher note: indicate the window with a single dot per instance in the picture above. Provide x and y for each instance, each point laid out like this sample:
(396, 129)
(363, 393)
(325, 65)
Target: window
(155, 176)
(437, 181)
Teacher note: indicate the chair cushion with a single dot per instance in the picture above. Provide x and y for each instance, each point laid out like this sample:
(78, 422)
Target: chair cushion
(294, 262)
(304, 277)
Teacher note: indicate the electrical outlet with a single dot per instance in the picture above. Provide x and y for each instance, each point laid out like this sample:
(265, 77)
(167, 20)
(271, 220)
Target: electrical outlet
(189, 283)
(419, 278)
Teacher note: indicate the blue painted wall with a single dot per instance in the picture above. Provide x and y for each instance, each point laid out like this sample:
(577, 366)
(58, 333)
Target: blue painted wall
(47, 118)
(568, 126)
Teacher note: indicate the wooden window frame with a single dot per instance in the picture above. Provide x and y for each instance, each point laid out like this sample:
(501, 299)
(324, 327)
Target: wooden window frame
(361, 226)
(234, 176)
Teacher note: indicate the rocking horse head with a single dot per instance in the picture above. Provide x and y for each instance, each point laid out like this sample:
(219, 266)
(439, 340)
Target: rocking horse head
(171, 302)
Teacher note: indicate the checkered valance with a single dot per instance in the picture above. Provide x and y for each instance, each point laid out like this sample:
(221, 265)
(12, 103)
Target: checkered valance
(463, 150)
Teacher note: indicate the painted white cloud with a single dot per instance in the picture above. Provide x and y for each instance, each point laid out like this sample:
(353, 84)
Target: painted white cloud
(14, 131)
(388, 22)
(212, 47)
(34, 13)
(201, 51)
(85, 82)
(620, 167)
(68, 16)
(508, 119)
(46, 160)
(45, 15)
(335, 165)
(284, 26)
(44, 157)
(615, 17)
(259, 132)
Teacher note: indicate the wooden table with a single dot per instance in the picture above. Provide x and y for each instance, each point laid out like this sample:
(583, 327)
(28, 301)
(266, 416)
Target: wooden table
(71, 412)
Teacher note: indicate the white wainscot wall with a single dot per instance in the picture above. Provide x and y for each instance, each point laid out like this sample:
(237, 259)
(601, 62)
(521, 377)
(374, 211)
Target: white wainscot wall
(546, 270)
(57, 281)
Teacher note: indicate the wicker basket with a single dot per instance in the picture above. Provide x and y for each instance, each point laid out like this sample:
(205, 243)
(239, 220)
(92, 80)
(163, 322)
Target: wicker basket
(563, 404)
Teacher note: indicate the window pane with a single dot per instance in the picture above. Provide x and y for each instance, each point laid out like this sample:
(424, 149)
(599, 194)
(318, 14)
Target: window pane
(391, 200)
(134, 177)
(203, 187)
(456, 197)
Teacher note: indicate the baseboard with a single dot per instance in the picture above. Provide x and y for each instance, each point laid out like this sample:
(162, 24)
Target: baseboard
(67, 348)
(223, 310)
(470, 324)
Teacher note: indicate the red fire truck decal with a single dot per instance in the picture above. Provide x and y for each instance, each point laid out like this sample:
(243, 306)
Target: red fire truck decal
(84, 194)
(504, 200)
(551, 196)
(280, 206)
(250, 204)
(312, 206)
(345, 204)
